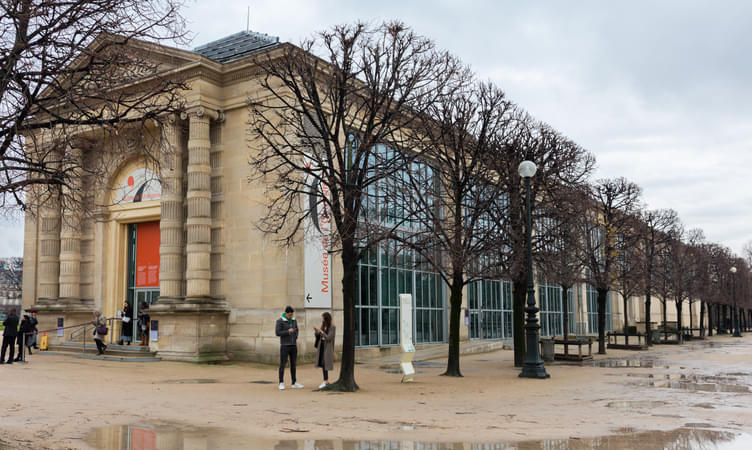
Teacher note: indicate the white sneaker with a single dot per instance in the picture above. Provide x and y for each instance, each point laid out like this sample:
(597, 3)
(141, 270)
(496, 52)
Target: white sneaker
(297, 386)
(281, 386)
(322, 385)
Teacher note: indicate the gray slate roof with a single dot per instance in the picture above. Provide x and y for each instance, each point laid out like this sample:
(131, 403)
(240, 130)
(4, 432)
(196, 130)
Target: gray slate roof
(236, 46)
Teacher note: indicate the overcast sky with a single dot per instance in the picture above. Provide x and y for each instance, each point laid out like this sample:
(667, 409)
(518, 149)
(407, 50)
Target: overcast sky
(658, 91)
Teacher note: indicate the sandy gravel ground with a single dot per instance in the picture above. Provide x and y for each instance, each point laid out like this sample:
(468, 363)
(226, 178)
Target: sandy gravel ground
(61, 402)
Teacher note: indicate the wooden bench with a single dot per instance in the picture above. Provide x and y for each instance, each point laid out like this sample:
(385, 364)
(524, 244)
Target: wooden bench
(578, 342)
(689, 333)
(666, 333)
(642, 341)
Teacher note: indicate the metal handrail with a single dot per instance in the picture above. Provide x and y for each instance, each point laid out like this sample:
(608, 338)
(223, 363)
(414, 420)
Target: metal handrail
(81, 328)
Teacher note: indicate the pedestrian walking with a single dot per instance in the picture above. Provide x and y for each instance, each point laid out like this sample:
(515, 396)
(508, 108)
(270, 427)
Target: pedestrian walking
(24, 337)
(287, 330)
(325, 344)
(100, 331)
(9, 336)
(126, 334)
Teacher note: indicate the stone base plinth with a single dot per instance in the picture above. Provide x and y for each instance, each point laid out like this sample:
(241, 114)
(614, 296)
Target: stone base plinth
(78, 312)
(193, 332)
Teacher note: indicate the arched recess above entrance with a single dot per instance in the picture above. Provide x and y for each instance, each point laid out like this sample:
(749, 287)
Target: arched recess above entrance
(134, 181)
(132, 197)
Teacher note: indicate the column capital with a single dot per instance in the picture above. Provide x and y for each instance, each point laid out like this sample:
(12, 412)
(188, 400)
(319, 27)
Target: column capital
(200, 111)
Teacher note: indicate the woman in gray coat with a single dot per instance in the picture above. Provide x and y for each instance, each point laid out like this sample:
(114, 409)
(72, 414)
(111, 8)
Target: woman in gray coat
(99, 322)
(325, 340)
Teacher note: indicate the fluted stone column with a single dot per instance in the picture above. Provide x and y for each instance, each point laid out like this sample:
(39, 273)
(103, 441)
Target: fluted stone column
(171, 222)
(198, 245)
(70, 232)
(49, 247)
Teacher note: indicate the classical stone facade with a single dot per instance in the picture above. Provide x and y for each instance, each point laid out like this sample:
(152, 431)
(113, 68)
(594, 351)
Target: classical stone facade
(221, 283)
(216, 283)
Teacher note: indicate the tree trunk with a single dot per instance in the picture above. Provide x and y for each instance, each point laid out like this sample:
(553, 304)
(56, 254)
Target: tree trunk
(626, 321)
(565, 311)
(691, 321)
(665, 318)
(455, 310)
(702, 318)
(647, 318)
(679, 306)
(346, 381)
(519, 295)
(602, 296)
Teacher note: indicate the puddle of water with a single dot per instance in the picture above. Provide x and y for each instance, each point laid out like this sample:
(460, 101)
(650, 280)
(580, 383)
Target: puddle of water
(636, 404)
(172, 436)
(192, 381)
(616, 363)
(702, 387)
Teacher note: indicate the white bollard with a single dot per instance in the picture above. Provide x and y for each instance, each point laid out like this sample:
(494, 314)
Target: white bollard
(406, 337)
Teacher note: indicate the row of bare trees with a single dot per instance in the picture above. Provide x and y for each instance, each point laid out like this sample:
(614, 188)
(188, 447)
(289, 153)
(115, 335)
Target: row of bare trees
(414, 149)
(376, 115)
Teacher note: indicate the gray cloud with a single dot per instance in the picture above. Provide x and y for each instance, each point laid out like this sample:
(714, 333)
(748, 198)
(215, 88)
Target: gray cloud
(658, 91)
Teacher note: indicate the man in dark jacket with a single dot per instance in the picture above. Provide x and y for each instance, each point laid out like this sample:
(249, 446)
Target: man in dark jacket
(24, 336)
(9, 336)
(287, 330)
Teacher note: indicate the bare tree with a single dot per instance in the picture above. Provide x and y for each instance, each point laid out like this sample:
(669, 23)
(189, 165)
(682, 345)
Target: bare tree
(628, 278)
(339, 121)
(654, 231)
(69, 69)
(450, 203)
(613, 203)
(11, 272)
(561, 164)
(559, 254)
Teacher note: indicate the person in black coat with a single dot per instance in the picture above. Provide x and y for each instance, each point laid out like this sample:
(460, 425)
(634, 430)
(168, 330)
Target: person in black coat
(34, 323)
(127, 331)
(9, 336)
(24, 336)
(144, 320)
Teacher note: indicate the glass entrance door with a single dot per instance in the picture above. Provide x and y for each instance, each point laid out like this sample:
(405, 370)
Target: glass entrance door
(143, 270)
(143, 296)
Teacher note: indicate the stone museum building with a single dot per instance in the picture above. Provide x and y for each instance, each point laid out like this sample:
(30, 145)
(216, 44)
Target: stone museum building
(184, 241)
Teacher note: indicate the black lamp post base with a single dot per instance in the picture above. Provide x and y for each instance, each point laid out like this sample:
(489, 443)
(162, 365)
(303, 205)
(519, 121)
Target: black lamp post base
(534, 371)
(737, 334)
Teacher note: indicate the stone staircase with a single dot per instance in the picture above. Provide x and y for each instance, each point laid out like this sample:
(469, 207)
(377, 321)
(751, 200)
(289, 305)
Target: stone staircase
(114, 352)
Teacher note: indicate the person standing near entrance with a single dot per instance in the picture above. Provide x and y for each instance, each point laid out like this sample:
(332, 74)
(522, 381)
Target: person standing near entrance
(144, 320)
(25, 332)
(287, 330)
(100, 324)
(127, 332)
(325, 341)
(9, 336)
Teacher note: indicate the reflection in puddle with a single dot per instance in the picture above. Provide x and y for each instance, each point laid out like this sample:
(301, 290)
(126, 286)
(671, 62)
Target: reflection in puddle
(172, 436)
(614, 363)
(192, 381)
(702, 387)
(636, 404)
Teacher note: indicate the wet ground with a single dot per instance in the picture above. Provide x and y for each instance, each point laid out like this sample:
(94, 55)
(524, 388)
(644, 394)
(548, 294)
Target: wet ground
(697, 396)
(168, 437)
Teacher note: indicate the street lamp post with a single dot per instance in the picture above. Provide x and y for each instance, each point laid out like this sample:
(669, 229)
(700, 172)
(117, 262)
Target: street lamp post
(735, 316)
(532, 367)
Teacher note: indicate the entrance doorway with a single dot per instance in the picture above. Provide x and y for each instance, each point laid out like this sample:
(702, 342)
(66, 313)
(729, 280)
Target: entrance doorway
(143, 271)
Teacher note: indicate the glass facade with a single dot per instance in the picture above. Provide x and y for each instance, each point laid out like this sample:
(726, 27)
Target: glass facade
(552, 310)
(490, 309)
(592, 305)
(386, 270)
(385, 273)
